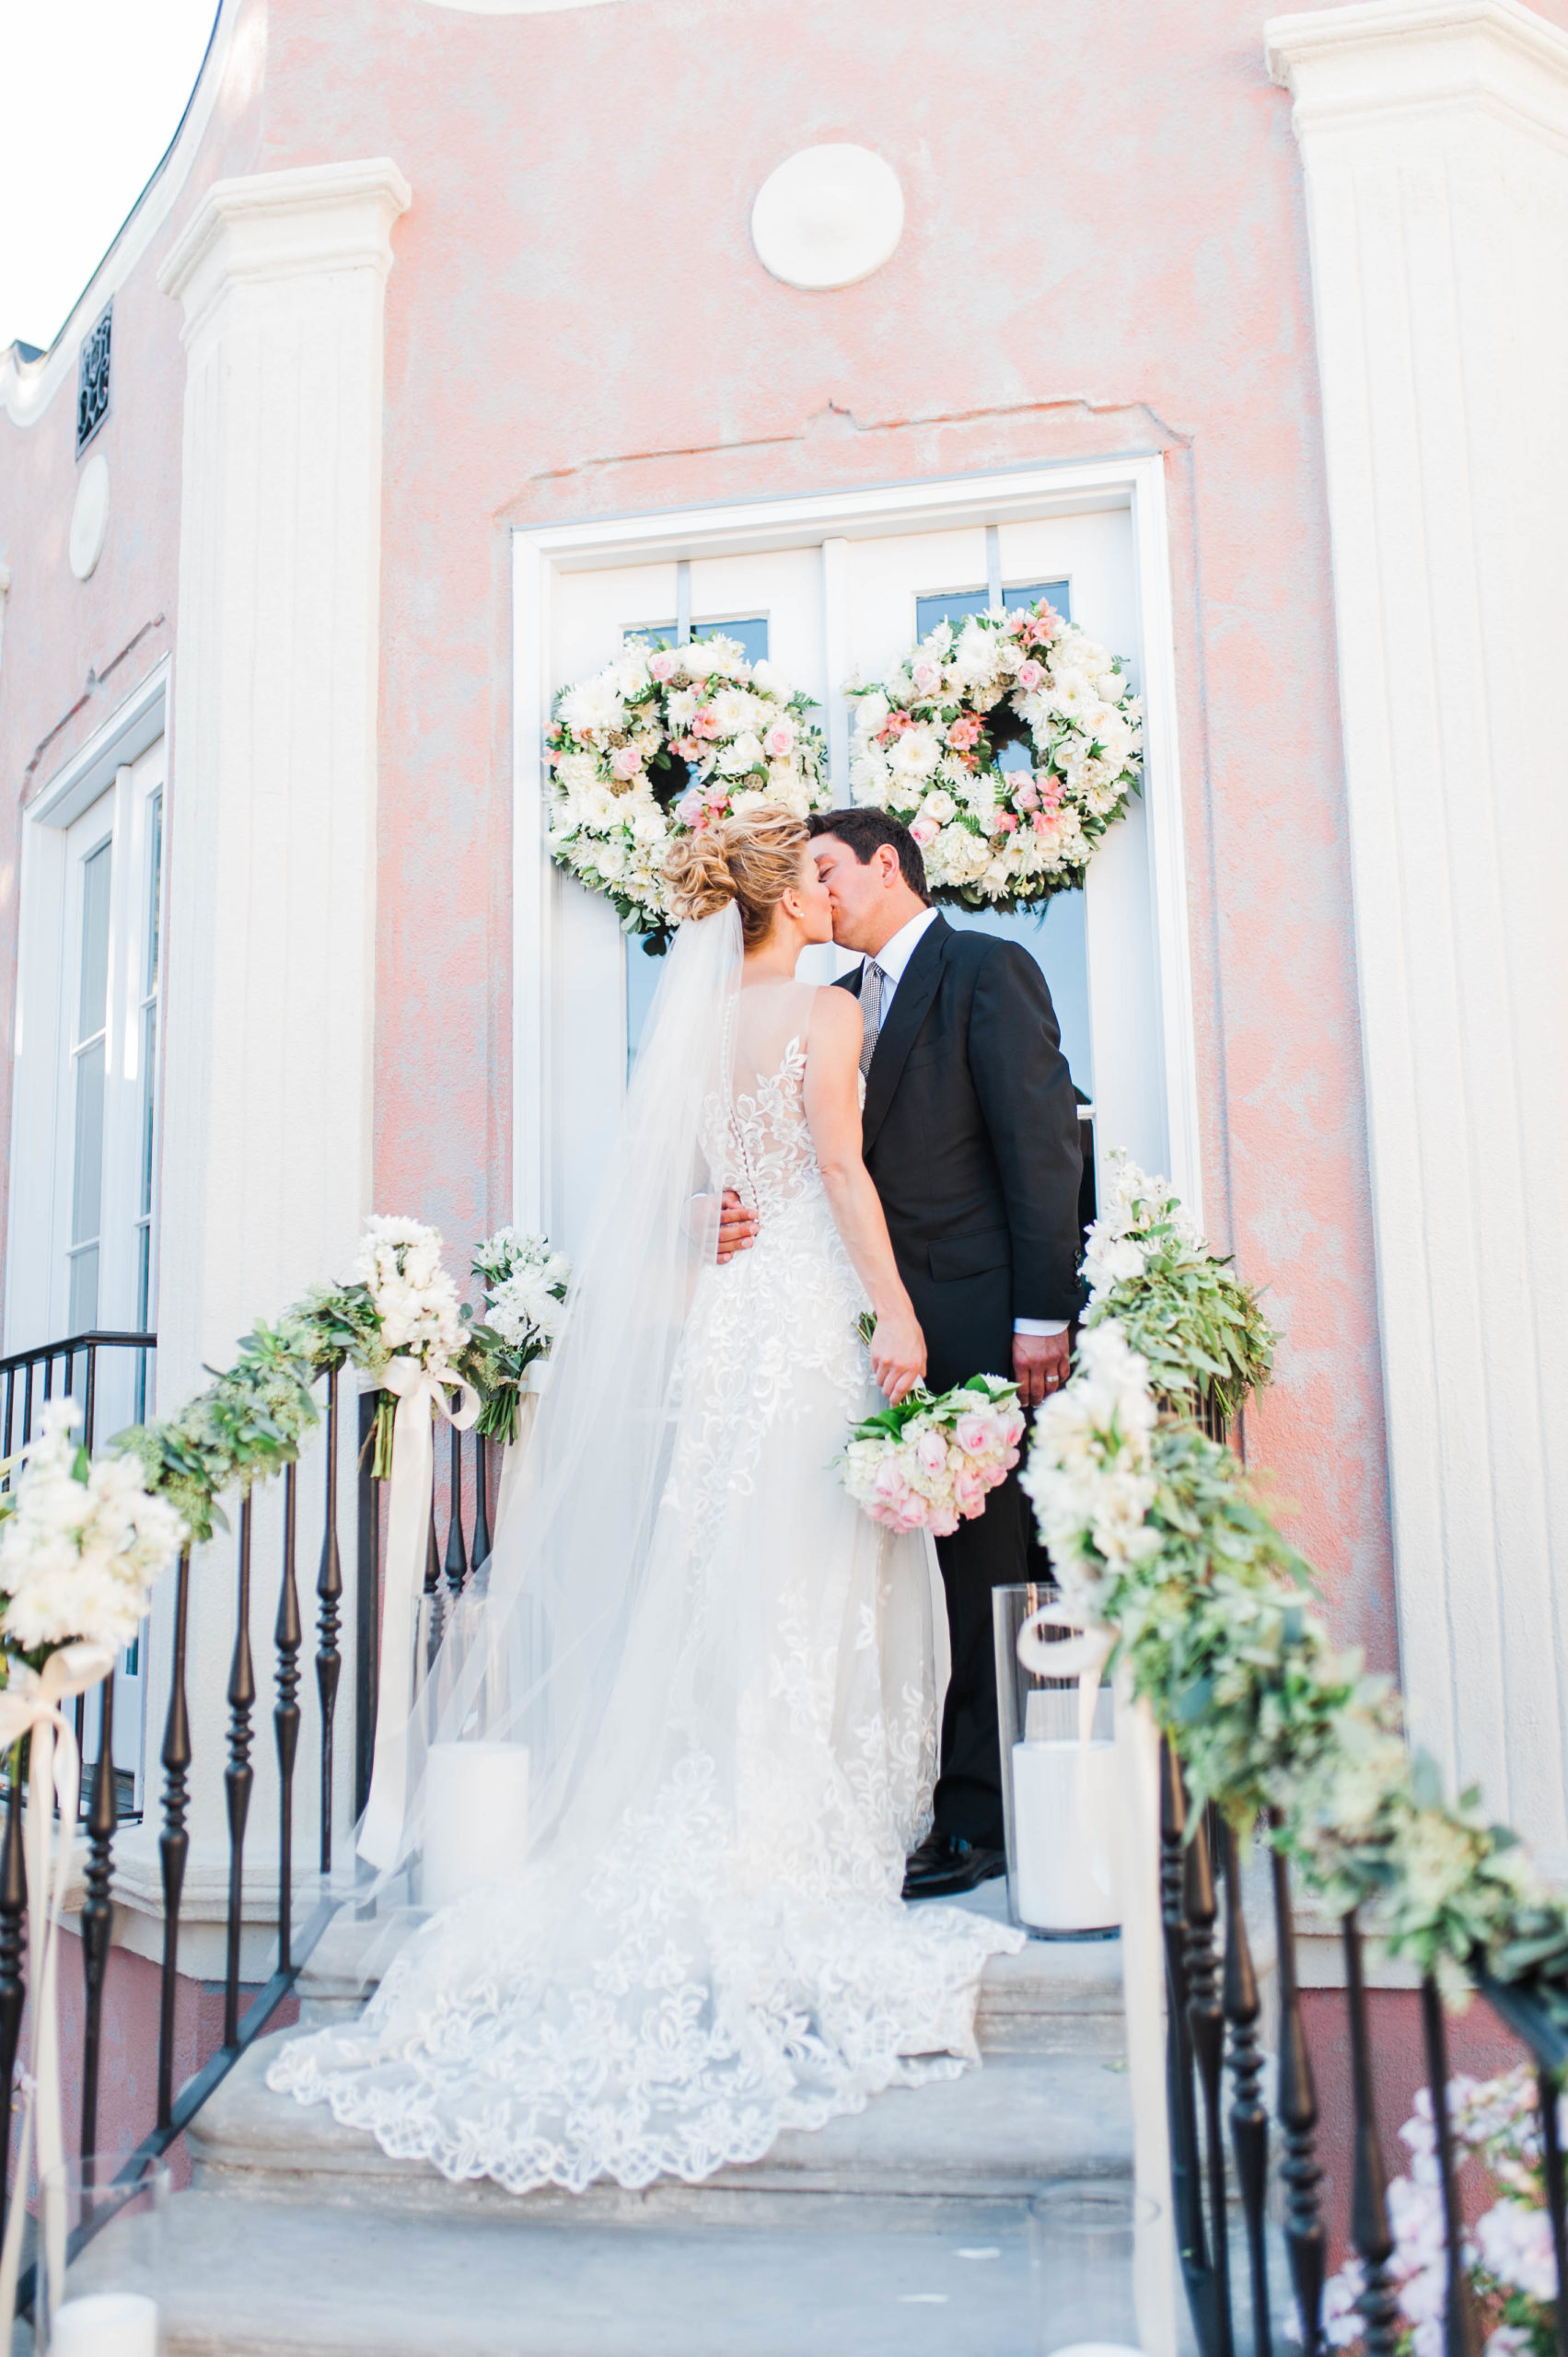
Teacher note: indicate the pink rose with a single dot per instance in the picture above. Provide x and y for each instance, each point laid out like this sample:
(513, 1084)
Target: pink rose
(925, 831)
(625, 762)
(689, 810)
(779, 742)
(1011, 1427)
(1031, 675)
(890, 1482)
(943, 1522)
(718, 799)
(706, 723)
(975, 1435)
(927, 679)
(1028, 796)
(1006, 823)
(663, 667)
(931, 1451)
(968, 1492)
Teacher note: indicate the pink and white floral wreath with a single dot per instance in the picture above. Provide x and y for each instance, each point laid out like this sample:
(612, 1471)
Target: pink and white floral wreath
(928, 736)
(664, 740)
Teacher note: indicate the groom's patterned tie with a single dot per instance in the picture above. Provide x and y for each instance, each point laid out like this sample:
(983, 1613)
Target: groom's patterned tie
(873, 988)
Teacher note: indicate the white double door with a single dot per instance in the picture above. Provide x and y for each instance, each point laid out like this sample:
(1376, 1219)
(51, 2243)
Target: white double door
(837, 610)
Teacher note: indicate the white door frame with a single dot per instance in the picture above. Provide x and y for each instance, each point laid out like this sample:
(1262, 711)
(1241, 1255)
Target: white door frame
(538, 555)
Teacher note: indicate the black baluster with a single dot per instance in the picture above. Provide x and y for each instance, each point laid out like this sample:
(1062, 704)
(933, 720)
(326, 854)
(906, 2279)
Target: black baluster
(1306, 2241)
(434, 1618)
(1552, 2169)
(89, 1410)
(174, 1843)
(238, 1776)
(97, 1912)
(1205, 2017)
(1462, 2336)
(26, 1405)
(13, 1950)
(366, 1612)
(1249, 2117)
(457, 1565)
(482, 1538)
(286, 1636)
(10, 1405)
(1187, 2200)
(1370, 2232)
(329, 1591)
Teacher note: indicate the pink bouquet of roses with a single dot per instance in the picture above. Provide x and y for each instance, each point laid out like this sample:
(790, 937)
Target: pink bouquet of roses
(928, 1463)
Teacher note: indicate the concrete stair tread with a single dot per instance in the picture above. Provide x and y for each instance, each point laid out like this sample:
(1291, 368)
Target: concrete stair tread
(997, 2131)
(253, 2280)
(1055, 1996)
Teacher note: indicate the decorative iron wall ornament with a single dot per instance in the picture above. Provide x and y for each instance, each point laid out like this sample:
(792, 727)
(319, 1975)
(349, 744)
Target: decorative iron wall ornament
(92, 378)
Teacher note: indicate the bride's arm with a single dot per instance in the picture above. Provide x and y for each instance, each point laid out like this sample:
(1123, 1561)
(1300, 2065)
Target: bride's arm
(832, 1112)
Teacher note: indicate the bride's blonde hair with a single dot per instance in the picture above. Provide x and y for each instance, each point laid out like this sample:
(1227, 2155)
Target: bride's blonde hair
(753, 860)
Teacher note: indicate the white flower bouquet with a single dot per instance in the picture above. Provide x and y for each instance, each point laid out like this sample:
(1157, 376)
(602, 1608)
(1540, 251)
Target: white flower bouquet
(929, 1463)
(1181, 1306)
(81, 1545)
(1507, 2253)
(525, 1281)
(667, 739)
(415, 1303)
(928, 738)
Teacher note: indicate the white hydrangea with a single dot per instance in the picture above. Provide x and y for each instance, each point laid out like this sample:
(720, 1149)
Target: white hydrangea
(416, 1301)
(1090, 1470)
(78, 1559)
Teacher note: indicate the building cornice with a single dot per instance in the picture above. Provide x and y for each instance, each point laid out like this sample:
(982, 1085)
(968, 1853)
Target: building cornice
(1389, 59)
(284, 225)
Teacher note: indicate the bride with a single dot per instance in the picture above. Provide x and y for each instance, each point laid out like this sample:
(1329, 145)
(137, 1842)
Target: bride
(721, 1670)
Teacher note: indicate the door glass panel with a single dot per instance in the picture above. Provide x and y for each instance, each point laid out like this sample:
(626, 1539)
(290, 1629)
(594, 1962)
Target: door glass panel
(93, 997)
(929, 612)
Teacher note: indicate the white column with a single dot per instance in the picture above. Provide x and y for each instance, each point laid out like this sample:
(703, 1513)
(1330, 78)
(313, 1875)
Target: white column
(1434, 146)
(267, 1089)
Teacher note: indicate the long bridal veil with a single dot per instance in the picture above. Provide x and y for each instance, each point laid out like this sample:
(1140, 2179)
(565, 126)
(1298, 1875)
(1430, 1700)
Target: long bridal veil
(571, 1654)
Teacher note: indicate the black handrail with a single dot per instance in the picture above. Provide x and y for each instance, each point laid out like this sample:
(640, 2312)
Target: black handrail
(30, 1378)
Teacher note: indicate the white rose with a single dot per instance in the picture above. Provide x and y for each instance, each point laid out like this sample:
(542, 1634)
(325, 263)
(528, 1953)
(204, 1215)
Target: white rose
(871, 714)
(938, 806)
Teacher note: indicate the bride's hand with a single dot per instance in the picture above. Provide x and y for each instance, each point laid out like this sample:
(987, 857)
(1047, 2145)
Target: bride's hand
(898, 1353)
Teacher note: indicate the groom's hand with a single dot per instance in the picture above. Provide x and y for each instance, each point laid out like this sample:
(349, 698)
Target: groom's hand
(1041, 1363)
(737, 1226)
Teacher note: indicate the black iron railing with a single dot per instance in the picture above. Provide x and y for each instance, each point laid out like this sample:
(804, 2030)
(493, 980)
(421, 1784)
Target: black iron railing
(457, 1548)
(1212, 2036)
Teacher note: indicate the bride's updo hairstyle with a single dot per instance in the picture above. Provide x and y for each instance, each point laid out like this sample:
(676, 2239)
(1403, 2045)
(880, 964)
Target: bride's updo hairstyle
(753, 860)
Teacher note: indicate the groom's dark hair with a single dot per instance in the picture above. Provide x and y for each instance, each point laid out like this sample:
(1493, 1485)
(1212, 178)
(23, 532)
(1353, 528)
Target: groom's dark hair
(864, 831)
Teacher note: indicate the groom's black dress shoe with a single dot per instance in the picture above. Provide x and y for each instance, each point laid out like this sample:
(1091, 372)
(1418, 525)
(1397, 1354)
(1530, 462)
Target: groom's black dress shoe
(945, 1863)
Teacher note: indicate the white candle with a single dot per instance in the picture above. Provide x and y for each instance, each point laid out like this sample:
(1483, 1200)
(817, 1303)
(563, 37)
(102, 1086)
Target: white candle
(1064, 1828)
(476, 1816)
(105, 2324)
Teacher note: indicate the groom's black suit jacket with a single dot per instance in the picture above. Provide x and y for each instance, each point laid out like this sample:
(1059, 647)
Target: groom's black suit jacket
(971, 1135)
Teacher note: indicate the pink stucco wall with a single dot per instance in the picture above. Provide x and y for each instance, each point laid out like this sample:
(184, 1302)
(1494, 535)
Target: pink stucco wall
(1105, 252)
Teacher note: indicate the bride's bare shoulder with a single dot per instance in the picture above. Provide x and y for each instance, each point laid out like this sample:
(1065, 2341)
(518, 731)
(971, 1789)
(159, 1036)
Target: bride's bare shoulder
(835, 1021)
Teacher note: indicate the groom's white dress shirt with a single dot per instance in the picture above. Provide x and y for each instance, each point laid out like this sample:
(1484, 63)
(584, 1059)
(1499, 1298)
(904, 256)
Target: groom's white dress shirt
(893, 961)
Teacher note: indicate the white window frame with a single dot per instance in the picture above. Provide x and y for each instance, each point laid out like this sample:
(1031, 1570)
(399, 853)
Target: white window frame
(41, 1126)
(831, 520)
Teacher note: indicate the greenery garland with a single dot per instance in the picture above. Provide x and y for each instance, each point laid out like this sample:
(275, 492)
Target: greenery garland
(1156, 1533)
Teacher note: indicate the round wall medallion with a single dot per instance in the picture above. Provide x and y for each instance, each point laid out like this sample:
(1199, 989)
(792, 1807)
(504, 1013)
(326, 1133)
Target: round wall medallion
(829, 216)
(89, 517)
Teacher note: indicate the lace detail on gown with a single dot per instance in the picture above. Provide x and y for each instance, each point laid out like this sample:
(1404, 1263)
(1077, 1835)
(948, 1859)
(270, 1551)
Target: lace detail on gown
(733, 1959)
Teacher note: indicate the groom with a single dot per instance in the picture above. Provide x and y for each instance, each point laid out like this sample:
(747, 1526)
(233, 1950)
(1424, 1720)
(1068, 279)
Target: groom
(971, 1139)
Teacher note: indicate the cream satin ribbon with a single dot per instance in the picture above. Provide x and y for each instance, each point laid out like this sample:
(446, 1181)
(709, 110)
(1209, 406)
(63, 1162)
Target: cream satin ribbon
(1084, 1656)
(30, 1705)
(419, 1396)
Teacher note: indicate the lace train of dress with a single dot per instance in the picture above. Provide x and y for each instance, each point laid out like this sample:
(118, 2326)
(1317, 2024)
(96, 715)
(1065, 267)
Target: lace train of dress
(684, 1974)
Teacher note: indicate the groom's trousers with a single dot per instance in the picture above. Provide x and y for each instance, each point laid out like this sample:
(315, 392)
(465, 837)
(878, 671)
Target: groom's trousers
(994, 1549)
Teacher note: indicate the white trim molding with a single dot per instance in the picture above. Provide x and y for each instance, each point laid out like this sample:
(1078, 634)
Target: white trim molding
(1434, 147)
(828, 521)
(270, 982)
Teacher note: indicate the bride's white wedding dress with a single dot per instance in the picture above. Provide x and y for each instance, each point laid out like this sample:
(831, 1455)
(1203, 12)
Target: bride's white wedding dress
(711, 1947)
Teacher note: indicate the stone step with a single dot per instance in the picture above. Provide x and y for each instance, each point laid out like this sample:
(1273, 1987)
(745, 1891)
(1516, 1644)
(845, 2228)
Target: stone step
(970, 2279)
(1056, 1997)
(995, 2134)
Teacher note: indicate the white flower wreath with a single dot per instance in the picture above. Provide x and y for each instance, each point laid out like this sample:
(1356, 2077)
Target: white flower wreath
(928, 739)
(664, 740)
